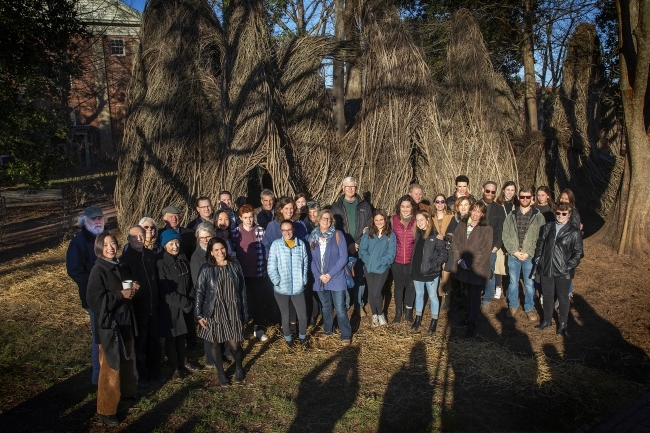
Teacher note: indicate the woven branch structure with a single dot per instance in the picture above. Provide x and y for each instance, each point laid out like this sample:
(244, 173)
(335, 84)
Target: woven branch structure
(213, 101)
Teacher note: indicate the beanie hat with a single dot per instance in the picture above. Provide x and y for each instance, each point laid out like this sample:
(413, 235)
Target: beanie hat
(167, 236)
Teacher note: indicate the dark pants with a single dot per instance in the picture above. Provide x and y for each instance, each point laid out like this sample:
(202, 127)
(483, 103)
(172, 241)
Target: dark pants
(148, 355)
(190, 337)
(298, 302)
(404, 288)
(375, 283)
(474, 293)
(255, 300)
(176, 352)
(311, 299)
(561, 287)
(215, 350)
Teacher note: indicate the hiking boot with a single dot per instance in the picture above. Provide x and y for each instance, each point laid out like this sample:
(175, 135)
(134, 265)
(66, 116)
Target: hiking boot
(497, 293)
(239, 376)
(511, 312)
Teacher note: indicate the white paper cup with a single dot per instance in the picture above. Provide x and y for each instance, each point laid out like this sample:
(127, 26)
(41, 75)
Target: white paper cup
(126, 284)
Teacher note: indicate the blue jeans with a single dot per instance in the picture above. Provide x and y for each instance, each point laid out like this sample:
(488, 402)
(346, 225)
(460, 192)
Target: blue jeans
(488, 295)
(516, 268)
(331, 300)
(432, 289)
(359, 288)
(94, 352)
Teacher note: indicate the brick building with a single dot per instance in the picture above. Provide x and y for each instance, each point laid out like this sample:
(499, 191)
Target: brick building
(98, 97)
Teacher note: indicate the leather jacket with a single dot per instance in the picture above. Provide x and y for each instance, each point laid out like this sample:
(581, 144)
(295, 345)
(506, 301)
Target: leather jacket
(206, 290)
(558, 256)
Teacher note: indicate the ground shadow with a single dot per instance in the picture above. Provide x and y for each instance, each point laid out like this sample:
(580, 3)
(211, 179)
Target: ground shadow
(408, 401)
(65, 405)
(324, 399)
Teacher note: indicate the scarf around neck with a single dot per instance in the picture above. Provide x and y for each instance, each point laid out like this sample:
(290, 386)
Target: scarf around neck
(316, 234)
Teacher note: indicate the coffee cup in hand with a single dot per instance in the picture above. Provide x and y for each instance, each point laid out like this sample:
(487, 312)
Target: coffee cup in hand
(126, 284)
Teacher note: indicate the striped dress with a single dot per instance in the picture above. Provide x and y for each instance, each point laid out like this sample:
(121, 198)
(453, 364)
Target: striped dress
(226, 322)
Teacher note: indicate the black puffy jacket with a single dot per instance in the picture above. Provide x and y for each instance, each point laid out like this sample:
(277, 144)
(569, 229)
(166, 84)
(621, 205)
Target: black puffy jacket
(559, 255)
(434, 254)
(206, 290)
(176, 294)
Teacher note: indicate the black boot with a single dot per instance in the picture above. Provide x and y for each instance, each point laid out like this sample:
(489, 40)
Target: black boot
(433, 326)
(398, 316)
(543, 325)
(471, 329)
(409, 314)
(562, 330)
(416, 323)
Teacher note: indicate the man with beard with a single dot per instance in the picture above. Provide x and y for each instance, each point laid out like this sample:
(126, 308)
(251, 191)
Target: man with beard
(496, 215)
(80, 259)
(142, 264)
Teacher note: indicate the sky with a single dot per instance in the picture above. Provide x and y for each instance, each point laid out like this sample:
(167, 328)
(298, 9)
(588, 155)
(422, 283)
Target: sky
(137, 4)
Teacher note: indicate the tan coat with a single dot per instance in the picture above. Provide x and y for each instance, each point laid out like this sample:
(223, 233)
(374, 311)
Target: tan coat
(442, 229)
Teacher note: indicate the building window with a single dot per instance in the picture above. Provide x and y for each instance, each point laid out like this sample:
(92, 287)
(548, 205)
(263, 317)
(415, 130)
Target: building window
(117, 47)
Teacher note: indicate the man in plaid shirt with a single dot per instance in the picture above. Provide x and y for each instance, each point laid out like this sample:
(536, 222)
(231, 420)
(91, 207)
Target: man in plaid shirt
(520, 232)
(247, 240)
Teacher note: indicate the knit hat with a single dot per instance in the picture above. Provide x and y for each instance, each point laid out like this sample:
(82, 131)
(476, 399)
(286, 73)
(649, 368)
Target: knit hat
(167, 236)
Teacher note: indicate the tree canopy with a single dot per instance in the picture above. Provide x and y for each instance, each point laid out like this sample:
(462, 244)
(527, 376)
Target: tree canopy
(36, 66)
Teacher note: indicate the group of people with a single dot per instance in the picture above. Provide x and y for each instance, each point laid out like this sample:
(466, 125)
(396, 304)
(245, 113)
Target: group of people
(292, 260)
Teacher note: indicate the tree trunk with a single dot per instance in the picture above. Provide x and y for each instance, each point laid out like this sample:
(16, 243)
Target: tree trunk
(338, 80)
(530, 87)
(627, 227)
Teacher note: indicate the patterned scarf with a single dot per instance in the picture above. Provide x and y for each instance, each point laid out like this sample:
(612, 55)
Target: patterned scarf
(316, 234)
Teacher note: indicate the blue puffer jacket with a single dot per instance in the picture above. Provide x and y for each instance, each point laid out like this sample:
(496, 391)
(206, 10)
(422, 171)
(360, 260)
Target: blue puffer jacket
(287, 267)
(272, 233)
(378, 253)
(336, 258)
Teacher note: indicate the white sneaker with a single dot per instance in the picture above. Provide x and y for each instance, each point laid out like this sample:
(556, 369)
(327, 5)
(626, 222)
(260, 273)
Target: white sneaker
(497, 293)
(375, 321)
(382, 320)
(261, 335)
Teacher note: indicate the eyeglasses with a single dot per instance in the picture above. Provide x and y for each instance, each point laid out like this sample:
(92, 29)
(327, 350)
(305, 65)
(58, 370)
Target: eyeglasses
(205, 238)
(148, 227)
(525, 197)
(562, 213)
(313, 204)
(205, 207)
(439, 202)
(487, 191)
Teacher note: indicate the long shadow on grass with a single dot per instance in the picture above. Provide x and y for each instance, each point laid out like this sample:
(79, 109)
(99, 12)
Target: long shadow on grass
(323, 401)
(65, 406)
(408, 400)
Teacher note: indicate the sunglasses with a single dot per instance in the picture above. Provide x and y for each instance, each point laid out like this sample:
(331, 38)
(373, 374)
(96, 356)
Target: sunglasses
(525, 197)
(148, 227)
(439, 202)
(312, 204)
(562, 213)
(487, 191)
